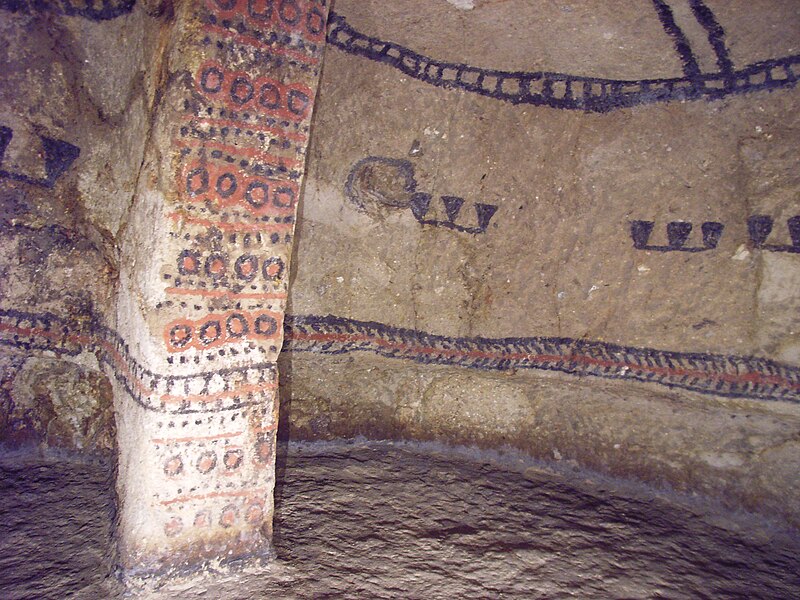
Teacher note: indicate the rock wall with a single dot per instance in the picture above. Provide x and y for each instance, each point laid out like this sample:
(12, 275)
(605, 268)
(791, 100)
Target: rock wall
(178, 225)
(571, 228)
(77, 95)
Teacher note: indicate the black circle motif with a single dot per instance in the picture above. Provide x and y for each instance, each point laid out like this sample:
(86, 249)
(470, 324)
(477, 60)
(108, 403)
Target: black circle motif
(237, 326)
(180, 336)
(229, 180)
(264, 99)
(266, 15)
(290, 13)
(206, 462)
(236, 88)
(265, 325)
(254, 200)
(236, 96)
(207, 337)
(273, 268)
(315, 21)
(216, 72)
(211, 261)
(298, 102)
(286, 192)
(195, 190)
(246, 267)
(189, 262)
(232, 459)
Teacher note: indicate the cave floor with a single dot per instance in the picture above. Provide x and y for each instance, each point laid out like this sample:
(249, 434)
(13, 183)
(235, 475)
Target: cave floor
(383, 520)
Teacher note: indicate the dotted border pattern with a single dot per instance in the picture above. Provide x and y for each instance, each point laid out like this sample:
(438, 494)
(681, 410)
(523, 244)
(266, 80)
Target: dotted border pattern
(108, 9)
(159, 392)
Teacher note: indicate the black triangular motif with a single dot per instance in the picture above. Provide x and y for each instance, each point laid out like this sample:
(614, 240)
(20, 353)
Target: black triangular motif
(677, 233)
(640, 232)
(759, 227)
(485, 213)
(58, 156)
(794, 230)
(420, 203)
(712, 232)
(452, 206)
(5, 138)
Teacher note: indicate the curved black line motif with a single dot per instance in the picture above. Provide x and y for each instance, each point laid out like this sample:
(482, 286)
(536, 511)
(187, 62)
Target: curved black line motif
(108, 9)
(562, 90)
(406, 195)
(716, 35)
(682, 46)
(70, 337)
(717, 374)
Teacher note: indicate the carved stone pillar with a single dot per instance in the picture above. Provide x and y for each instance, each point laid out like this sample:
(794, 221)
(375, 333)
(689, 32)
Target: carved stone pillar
(204, 281)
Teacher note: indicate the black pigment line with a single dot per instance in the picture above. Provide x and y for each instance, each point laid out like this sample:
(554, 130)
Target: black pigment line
(70, 337)
(690, 67)
(716, 374)
(562, 90)
(58, 156)
(87, 9)
(716, 34)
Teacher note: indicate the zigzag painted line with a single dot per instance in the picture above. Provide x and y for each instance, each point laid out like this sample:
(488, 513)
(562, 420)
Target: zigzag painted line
(717, 374)
(219, 390)
(561, 90)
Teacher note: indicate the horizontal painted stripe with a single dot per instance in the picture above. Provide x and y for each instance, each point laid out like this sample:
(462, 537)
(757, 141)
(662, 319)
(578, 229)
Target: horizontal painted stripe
(36, 332)
(707, 373)
(723, 375)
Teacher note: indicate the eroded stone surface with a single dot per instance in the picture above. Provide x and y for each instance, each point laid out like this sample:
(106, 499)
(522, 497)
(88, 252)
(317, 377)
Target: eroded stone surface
(386, 521)
(59, 404)
(76, 115)
(57, 520)
(74, 119)
(739, 452)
